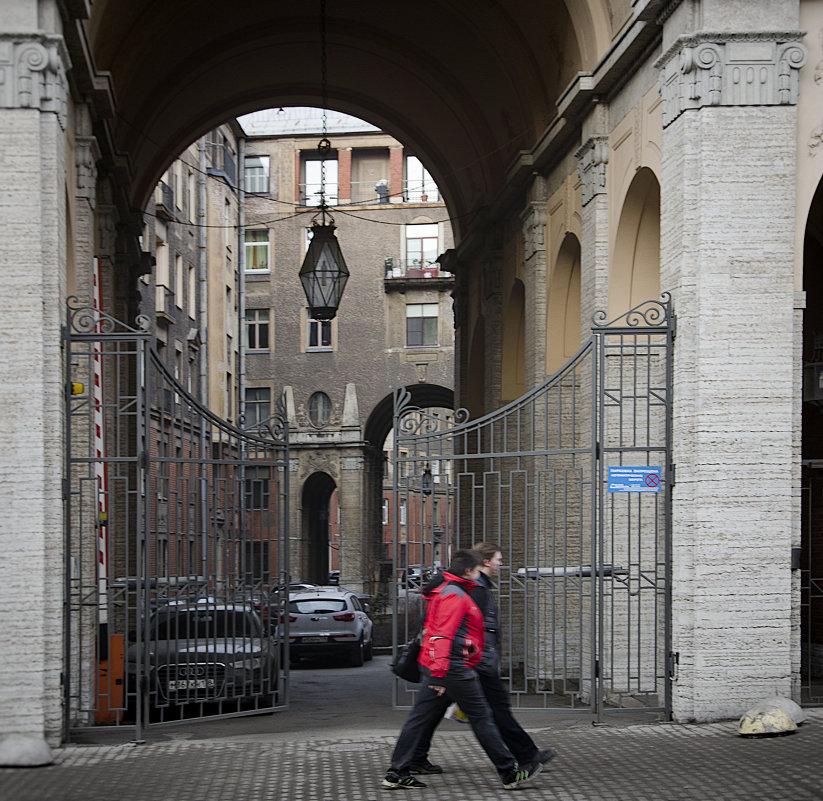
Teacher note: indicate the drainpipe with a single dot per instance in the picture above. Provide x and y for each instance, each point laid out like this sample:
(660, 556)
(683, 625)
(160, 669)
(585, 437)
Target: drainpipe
(203, 389)
(241, 268)
(202, 277)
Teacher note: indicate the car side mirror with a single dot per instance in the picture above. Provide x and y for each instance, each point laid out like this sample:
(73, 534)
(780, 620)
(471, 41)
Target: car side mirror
(366, 608)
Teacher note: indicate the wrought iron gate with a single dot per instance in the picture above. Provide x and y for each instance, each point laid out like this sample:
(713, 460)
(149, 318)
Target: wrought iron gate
(175, 540)
(573, 482)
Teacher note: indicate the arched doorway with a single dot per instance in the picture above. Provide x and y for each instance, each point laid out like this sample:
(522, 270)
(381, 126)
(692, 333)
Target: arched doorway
(811, 554)
(315, 525)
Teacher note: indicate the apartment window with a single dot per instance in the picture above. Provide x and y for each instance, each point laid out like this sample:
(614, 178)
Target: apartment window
(161, 258)
(312, 169)
(257, 250)
(421, 324)
(319, 335)
(422, 247)
(258, 488)
(229, 314)
(403, 512)
(420, 186)
(178, 280)
(191, 190)
(258, 405)
(319, 409)
(257, 174)
(257, 329)
(385, 511)
(192, 299)
(227, 222)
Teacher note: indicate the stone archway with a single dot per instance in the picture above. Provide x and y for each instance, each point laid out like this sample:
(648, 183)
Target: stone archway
(635, 272)
(513, 378)
(314, 533)
(811, 555)
(563, 310)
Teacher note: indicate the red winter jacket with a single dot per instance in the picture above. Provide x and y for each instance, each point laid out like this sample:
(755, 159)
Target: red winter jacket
(454, 631)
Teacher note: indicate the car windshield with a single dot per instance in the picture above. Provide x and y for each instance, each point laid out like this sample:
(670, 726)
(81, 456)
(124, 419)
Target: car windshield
(308, 606)
(198, 624)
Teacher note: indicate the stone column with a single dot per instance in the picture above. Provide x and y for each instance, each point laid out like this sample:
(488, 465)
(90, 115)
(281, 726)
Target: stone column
(593, 158)
(533, 221)
(727, 256)
(33, 264)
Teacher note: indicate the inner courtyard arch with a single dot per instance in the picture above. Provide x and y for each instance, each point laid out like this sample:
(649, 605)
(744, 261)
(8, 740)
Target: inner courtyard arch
(314, 535)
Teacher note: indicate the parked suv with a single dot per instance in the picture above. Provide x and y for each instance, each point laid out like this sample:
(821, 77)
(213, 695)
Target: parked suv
(329, 620)
(209, 651)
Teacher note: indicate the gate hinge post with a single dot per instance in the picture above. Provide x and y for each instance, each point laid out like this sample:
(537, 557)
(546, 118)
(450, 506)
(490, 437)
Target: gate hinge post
(143, 459)
(597, 668)
(674, 662)
(673, 325)
(671, 475)
(65, 489)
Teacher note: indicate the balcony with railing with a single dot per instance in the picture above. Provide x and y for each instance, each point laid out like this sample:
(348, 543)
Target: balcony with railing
(164, 309)
(164, 201)
(399, 273)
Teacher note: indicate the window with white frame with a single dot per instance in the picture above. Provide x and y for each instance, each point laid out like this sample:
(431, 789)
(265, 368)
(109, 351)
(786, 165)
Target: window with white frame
(402, 511)
(319, 335)
(257, 250)
(420, 186)
(313, 180)
(385, 511)
(421, 324)
(257, 329)
(258, 405)
(257, 175)
(422, 245)
(319, 409)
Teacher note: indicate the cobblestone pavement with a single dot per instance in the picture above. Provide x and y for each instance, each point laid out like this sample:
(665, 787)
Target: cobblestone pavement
(622, 762)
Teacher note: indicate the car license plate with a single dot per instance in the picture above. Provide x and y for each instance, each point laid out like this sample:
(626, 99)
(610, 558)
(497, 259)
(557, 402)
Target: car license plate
(314, 639)
(191, 684)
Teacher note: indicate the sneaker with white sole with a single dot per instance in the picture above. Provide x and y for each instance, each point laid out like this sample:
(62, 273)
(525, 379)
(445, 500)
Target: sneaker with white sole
(518, 776)
(395, 780)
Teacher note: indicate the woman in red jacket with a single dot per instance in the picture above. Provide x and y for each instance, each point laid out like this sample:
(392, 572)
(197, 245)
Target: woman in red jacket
(451, 649)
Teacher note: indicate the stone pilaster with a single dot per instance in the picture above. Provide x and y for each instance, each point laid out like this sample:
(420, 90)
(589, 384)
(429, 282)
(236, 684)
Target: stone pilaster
(727, 256)
(533, 221)
(593, 158)
(33, 264)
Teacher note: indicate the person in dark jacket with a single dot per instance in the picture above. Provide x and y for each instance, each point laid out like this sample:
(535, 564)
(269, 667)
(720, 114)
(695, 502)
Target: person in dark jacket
(452, 647)
(517, 740)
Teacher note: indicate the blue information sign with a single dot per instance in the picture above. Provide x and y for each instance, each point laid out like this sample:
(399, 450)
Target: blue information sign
(634, 479)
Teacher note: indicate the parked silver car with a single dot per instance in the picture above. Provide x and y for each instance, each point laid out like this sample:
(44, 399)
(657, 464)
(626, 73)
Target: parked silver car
(328, 621)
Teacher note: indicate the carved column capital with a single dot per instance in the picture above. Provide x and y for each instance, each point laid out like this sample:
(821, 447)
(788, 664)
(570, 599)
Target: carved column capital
(730, 69)
(533, 221)
(592, 159)
(87, 154)
(33, 73)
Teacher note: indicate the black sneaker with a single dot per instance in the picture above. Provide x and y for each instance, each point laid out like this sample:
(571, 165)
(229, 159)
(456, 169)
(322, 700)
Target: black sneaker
(545, 755)
(394, 780)
(518, 776)
(425, 767)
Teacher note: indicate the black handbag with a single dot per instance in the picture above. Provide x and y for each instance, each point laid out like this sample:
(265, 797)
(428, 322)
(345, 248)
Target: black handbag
(406, 666)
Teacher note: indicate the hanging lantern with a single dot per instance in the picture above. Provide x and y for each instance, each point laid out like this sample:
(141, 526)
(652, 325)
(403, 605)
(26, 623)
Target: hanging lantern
(324, 273)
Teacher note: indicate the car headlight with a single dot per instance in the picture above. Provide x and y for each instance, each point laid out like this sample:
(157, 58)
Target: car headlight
(247, 664)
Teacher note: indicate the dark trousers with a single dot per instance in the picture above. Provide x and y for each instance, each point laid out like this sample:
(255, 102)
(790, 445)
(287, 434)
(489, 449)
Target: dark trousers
(428, 712)
(516, 739)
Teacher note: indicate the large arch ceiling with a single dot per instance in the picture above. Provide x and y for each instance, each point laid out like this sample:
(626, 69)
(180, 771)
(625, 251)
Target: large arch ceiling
(468, 84)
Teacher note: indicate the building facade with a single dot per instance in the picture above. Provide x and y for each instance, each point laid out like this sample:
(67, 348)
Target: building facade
(394, 327)
(591, 154)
